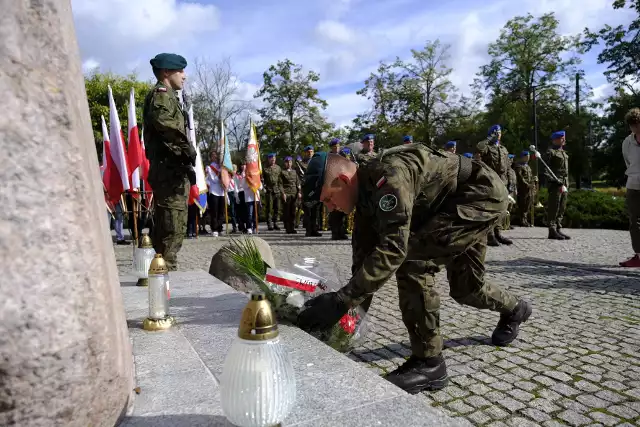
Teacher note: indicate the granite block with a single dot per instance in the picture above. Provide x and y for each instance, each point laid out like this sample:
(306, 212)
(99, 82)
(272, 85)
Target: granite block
(398, 411)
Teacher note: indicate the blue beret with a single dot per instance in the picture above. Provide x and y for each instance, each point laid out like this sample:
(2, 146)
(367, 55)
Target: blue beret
(168, 61)
(299, 158)
(450, 144)
(468, 155)
(346, 150)
(408, 138)
(313, 179)
(524, 153)
(308, 148)
(334, 141)
(287, 159)
(558, 135)
(368, 137)
(270, 155)
(511, 156)
(494, 128)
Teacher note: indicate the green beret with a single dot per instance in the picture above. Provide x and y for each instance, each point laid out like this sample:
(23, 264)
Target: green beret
(168, 61)
(313, 179)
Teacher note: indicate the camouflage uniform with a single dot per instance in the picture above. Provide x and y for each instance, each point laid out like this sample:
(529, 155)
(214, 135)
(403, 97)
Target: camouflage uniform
(171, 159)
(558, 160)
(273, 191)
(496, 157)
(290, 191)
(512, 187)
(525, 192)
(416, 211)
(310, 213)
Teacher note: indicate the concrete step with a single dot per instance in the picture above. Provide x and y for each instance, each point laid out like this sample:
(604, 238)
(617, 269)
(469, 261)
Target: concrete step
(178, 370)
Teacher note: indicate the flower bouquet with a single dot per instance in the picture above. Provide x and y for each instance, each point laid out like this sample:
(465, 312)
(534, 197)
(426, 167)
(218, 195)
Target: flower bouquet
(287, 291)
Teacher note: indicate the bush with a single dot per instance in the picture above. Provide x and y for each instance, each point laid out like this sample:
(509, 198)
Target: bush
(588, 209)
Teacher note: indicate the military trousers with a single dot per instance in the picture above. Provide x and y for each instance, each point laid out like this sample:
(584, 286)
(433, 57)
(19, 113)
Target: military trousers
(170, 219)
(525, 204)
(272, 207)
(556, 206)
(289, 212)
(455, 238)
(338, 224)
(310, 218)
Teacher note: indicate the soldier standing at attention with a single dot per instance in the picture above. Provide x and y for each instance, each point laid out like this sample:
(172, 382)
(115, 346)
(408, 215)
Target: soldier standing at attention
(337, 219)
(450, 147)
(273, 189)
(496, 156)
(310, 214)
(290, 195)
(525, 188)
(171, 156)
(416, 209)
(558, 161)
(368, 142)
(512, 187)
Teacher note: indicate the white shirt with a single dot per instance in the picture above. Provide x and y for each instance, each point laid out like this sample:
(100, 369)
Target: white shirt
(213, 180)
(239, 182)
(631, 155)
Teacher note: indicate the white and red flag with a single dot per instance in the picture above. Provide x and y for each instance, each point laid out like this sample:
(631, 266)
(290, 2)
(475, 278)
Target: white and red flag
(116, 179)
(134, 150)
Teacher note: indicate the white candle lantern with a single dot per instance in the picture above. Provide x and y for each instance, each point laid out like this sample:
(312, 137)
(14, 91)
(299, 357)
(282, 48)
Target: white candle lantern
(159, 318)
(142, 257)
(258, 385)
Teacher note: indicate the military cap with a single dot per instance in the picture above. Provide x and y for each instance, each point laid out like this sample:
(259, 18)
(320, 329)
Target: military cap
(557, 135)
(368, 137)
(511, 156)
(494, 128)
(524, 153)
(346, 150)
(299, 158)
(270, 155)
(450, 144)
(313, 179)
(288, 159)
(468, 155)
(308, 148)
(334, 141)
(168, 61)
(407, 138)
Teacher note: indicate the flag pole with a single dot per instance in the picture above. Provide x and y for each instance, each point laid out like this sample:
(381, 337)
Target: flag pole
(226, 212)
(197, 224)
(255, 209)
(135, 219)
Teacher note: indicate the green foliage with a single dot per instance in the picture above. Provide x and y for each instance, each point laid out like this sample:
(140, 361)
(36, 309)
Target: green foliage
(96, 86)
(589, 209)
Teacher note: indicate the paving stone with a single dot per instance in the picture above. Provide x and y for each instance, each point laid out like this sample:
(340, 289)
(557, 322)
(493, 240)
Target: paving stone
(441, 396)
(604, 419)
(573, 418)
(521, 395)
(536, 415)
(635, 393)
(544, 405)
(502, 386)
(495, 396)
(479, 388)
(546, 381)
(586, 386)
(610, 396)
(573, 405)
(511, 404)
(456, 392)
(556, 375)
(564, 389)
(521, 422)
(623, 412)
(479, 417)
(496, 412)
(477, 401)
(497, 424)
(592, 401)
(459, 407)
(553, 423)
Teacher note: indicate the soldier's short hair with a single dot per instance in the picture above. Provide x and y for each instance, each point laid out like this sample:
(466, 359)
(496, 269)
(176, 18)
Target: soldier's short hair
(632, 117)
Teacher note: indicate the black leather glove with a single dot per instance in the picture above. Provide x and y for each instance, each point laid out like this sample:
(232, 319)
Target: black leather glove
(191, 174)
(322, 312)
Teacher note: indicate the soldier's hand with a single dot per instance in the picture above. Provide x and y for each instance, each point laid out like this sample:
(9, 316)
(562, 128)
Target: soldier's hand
(322, 312)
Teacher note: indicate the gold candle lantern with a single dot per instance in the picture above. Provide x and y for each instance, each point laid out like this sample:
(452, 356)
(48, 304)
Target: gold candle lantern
(159, 317)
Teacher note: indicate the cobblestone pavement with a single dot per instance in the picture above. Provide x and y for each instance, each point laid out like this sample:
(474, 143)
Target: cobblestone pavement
(576, 361)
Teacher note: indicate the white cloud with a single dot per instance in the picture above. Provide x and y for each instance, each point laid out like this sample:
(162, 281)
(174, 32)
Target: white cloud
(343, 40)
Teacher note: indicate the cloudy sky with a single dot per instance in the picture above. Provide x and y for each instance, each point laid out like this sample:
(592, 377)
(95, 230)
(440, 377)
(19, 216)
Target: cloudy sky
(343, 40)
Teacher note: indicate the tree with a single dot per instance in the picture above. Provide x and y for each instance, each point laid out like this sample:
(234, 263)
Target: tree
(96, 86)
(622, 48)
(290, 97)
(214, 95)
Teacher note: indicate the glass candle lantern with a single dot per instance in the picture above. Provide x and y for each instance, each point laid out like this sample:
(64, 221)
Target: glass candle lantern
(158, 299)
(142, 257)
(258, 385)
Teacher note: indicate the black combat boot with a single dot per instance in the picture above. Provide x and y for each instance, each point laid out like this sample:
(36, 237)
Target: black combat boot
(562, 234)
(501, 239)
(418, 374)
(554, 235)
(491, 239)
(509, 324)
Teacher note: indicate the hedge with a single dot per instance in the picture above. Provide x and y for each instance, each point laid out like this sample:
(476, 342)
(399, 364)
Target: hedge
(588, 209)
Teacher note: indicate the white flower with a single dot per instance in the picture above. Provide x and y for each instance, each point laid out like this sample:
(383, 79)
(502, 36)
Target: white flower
(295, 299)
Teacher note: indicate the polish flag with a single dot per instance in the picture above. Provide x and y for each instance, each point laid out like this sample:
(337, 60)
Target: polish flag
(290, 280)
(105, 148)
(134, 150)
(117, 181)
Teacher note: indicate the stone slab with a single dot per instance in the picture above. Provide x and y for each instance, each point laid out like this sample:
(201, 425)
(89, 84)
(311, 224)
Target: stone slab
(178, 370)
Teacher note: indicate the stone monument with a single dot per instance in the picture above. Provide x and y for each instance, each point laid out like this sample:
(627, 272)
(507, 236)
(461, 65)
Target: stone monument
(65, 354)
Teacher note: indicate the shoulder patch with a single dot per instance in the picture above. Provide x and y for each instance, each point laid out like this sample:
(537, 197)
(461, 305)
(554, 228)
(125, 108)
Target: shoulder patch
(388, 202)
(161, 89)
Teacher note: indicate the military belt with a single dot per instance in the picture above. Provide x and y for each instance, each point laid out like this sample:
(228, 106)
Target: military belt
(464, 169)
